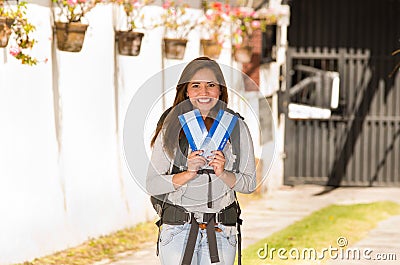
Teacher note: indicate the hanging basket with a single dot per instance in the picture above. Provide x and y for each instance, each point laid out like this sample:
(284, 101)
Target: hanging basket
(5, 30)
(211, 48)
(129, 42)
(174, 48)
(70, 36)
(242, 54)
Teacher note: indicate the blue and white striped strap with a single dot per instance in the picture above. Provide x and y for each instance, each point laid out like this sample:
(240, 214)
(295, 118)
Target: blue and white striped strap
(194, 128)
(219, 133)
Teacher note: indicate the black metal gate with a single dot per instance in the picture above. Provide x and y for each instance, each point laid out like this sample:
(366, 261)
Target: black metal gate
(359, 145)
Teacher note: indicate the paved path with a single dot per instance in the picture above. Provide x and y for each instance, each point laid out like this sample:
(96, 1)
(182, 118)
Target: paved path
(281, 208)
(384, 243)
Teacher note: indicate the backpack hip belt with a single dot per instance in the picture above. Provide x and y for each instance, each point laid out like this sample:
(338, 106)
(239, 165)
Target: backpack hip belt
(177, 215)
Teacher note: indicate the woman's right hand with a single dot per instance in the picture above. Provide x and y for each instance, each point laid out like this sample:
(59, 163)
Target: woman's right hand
(195, 161)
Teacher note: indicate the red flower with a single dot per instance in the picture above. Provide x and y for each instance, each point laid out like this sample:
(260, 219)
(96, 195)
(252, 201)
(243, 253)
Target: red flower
(217, 6)
(166, 4)
(15, 50)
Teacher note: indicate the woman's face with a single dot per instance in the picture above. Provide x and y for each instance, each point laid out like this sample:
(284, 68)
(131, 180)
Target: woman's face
(203, 90)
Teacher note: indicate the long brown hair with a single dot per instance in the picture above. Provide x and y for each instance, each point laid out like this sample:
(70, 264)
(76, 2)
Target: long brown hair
(169, 120)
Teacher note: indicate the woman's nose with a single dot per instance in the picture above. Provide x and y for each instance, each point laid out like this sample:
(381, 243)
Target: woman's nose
(203, 88)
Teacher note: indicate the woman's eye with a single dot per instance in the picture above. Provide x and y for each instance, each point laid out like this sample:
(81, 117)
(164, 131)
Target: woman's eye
(194, 86)
(211, 85)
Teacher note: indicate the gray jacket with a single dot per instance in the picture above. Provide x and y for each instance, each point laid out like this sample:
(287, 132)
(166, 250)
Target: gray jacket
(193, 195)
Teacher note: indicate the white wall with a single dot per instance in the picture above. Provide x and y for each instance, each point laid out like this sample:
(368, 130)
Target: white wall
(63, 178)
(269, 86)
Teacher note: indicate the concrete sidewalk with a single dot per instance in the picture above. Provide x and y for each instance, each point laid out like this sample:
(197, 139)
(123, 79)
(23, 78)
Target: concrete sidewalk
(280, 208)
(383, 243)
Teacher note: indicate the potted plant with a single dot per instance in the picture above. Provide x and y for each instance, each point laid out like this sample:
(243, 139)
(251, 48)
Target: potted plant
(244, 23)
(70, 24)
(213, 28)
(177, 26)
(130, 34)
(13, 22)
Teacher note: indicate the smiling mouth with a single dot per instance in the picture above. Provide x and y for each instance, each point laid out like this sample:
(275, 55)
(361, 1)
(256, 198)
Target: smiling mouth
(204, 100)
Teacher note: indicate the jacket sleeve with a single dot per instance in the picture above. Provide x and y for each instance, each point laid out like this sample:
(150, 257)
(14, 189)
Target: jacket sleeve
(246, 177)
(158, 181)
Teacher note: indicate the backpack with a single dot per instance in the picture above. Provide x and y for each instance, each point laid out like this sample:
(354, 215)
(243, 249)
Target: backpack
(161, 204)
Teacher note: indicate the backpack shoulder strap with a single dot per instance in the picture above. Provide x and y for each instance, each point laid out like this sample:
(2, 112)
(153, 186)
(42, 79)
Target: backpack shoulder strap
(181, 156)
(163, 116)
(235, 140)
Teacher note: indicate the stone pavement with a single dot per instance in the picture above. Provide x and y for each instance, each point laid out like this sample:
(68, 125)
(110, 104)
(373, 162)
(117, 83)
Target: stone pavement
(384, 243)
(280, 208)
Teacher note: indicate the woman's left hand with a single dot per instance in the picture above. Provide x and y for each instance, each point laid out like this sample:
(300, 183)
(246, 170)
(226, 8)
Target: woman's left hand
(217, 162)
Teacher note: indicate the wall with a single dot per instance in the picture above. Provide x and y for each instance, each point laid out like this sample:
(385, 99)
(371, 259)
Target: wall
(63, 178)
(272, 81)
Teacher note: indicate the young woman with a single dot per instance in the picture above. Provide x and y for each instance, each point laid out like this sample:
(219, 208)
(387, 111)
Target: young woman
(196, 194)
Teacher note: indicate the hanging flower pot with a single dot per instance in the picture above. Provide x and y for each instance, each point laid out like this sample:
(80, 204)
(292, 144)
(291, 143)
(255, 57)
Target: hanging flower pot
(5, 30)
(178, 23)
(15, 24)
(129, 42)
(242, 54)
(211, 48)
(70, 36)
(174, 48)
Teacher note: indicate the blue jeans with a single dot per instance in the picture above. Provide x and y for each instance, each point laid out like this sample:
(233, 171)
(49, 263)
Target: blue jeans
(173, 239)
